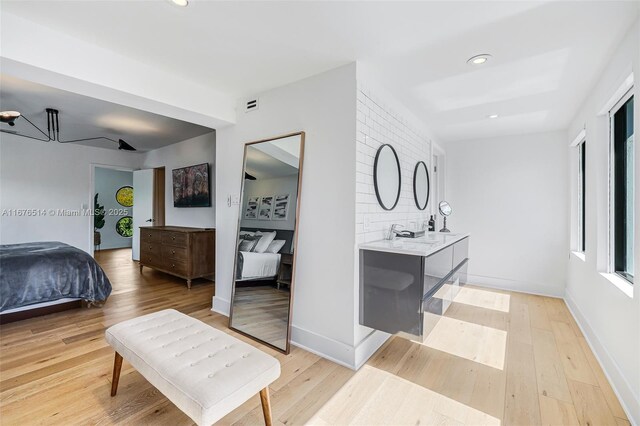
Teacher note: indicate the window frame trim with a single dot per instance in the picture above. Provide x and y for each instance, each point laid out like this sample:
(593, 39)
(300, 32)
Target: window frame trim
(582, 196)
(611, 186)
(578, 214)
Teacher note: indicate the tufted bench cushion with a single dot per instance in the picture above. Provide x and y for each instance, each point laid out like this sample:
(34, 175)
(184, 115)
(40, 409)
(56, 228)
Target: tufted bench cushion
(203, 371)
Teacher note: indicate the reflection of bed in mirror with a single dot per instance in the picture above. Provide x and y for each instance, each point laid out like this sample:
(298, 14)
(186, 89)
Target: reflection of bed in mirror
(261, 304)
(261, 268)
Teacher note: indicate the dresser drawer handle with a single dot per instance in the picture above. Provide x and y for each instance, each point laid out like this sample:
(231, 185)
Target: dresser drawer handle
(173, 238)
(173, 252)
(173, 265)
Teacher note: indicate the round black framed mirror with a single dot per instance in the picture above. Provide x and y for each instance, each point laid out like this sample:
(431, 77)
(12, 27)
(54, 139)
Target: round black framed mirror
(386, 177)
(421, 185)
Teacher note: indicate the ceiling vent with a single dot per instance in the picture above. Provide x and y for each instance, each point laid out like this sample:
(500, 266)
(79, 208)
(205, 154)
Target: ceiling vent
(251, 105)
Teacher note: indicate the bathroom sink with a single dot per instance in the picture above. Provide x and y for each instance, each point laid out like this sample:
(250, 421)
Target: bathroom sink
(413, 242)
(421, 246)
(439, 236)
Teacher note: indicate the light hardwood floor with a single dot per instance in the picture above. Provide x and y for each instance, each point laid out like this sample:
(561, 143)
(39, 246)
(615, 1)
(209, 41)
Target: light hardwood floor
(498, 358)
(262, 312)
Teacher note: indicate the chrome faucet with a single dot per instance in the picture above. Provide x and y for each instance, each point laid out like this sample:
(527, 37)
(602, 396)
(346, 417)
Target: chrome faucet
(392, 231)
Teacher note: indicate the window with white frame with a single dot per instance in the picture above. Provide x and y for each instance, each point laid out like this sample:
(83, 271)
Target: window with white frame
(582, 190)
(622, 187)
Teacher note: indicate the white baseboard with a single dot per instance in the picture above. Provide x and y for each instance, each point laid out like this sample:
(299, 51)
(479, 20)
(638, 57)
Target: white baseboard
(515, 285)
(368, 346)
(333, 350)
(616, 377)
(338, 352)
(221, 306)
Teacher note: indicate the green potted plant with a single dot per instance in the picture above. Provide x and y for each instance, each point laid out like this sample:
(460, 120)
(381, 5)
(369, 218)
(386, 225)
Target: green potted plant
(98, 221)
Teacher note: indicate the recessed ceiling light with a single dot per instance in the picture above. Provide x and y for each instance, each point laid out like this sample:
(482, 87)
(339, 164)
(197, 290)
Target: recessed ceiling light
(181, 3)
(493, 116)
(479, 59)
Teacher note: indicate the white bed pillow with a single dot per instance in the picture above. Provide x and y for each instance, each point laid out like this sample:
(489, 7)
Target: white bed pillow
(265, 240)
(247, 243)
(275, 246)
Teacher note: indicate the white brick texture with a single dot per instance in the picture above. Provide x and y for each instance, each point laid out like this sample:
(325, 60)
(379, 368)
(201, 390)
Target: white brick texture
(376, 125)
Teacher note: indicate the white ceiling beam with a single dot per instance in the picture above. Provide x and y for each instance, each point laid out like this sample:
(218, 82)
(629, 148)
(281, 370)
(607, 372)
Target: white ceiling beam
(34, 52)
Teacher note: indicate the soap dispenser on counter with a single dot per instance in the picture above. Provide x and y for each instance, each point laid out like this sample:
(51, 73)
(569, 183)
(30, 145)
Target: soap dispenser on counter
(432, 224)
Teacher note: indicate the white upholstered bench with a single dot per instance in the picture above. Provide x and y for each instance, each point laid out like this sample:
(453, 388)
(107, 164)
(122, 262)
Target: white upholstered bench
(203, 371)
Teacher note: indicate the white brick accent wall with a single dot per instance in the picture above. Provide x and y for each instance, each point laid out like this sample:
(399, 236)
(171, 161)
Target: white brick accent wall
(377, 124)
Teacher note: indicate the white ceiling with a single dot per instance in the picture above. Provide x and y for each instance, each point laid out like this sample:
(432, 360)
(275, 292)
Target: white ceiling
(268, 162)
(546, 54)
(85, 117)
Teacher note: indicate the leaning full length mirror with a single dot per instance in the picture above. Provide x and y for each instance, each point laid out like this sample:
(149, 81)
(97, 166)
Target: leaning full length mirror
(265, 262)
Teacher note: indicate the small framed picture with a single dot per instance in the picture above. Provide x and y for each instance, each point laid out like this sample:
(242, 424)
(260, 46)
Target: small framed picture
(266, 208)
(281, 207)
(251, 211)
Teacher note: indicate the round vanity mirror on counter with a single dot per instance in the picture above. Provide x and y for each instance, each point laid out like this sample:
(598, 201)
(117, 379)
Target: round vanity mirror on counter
(445, 208)
(421, 185)
(386, 177)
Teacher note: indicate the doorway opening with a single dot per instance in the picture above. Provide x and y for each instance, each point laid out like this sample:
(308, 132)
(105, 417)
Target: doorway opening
(113, 198)
(437, 182)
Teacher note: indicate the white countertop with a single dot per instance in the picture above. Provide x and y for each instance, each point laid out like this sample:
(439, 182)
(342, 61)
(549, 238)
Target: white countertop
(430, 243)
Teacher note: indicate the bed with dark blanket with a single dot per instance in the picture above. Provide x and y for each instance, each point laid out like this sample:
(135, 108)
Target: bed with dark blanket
(39, 272)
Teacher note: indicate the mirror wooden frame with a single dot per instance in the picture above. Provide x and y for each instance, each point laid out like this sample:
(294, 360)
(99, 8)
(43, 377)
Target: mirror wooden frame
(294, 241)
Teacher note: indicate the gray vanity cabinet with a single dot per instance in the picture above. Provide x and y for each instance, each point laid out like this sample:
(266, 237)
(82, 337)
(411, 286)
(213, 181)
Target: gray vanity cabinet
(407, 294)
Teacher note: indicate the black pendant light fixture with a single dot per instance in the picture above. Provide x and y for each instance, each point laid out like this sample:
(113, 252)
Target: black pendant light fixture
(9, 117)
(53, 129)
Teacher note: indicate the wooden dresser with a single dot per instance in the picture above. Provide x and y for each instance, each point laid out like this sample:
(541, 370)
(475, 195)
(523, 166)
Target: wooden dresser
(184, 252)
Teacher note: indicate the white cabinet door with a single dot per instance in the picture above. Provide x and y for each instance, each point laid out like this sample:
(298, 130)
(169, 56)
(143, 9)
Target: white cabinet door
(142, 206)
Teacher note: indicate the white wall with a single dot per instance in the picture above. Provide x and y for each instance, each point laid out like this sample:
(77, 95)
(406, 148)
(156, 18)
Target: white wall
(324, 106)
(265, 187)
(511, 194)
(609, 317)
(49, 175)
(106, 183)
(198, 150)
(381, 120)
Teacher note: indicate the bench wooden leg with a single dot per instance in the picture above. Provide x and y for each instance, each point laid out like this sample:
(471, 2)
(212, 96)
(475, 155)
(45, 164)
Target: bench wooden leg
(266, 405)
(117, 365)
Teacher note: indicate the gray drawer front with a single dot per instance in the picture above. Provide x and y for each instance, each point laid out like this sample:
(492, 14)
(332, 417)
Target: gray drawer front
(462, 272)
(436, 267)
(460, 251)
(390, 291)
(436, 304)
